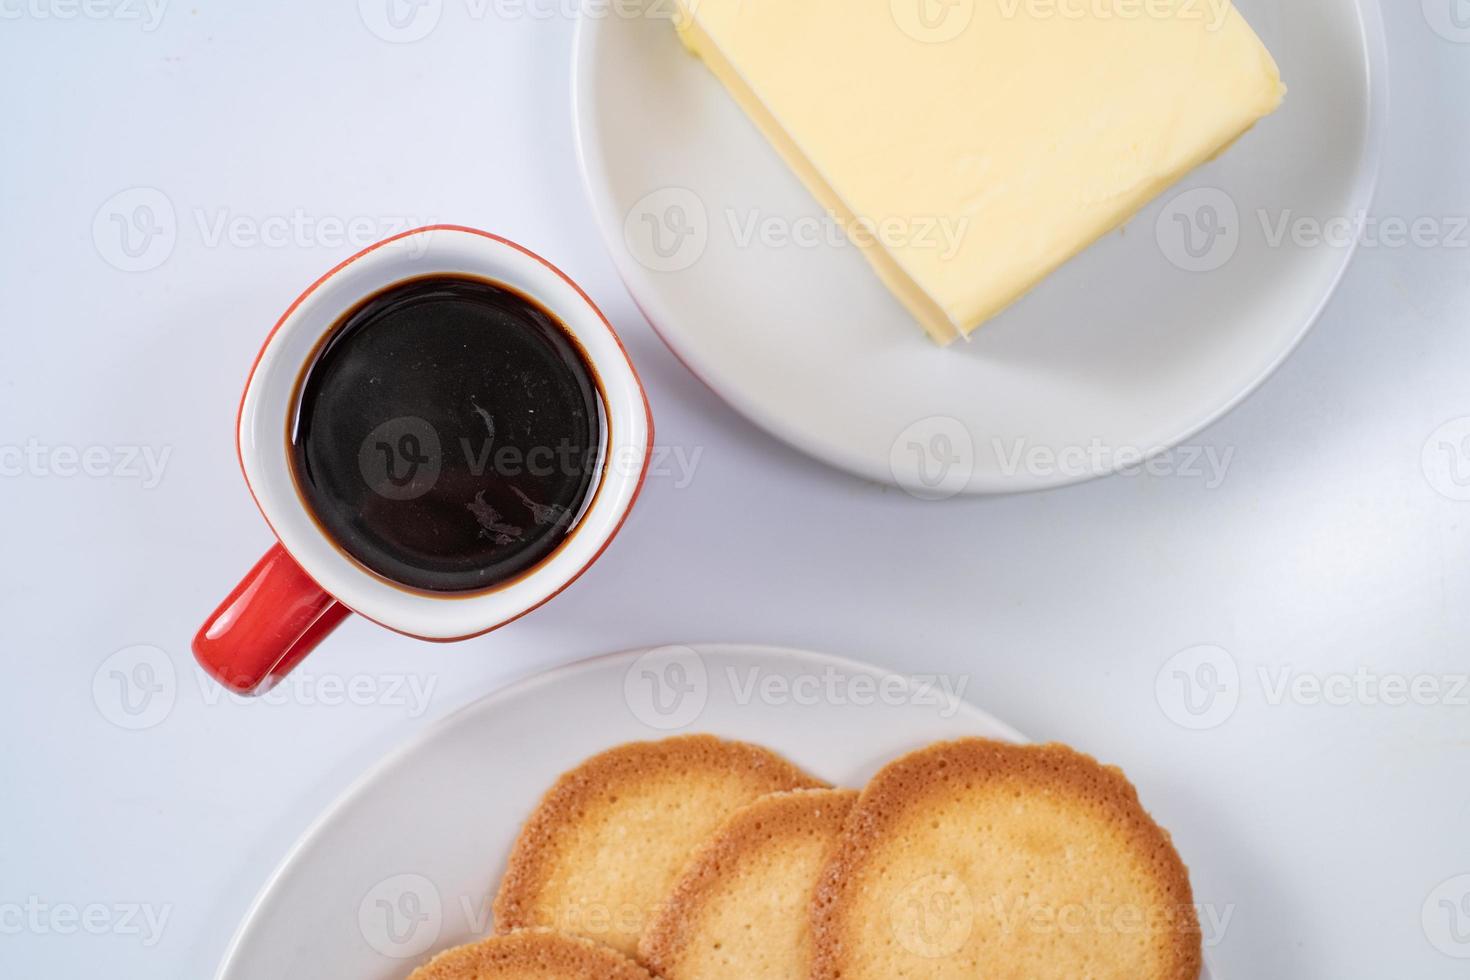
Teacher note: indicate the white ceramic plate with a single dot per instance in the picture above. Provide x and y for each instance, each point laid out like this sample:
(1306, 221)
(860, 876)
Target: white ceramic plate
(407, 862)
(1132, 348)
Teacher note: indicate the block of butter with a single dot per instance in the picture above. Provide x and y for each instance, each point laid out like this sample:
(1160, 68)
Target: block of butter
(1024, 129)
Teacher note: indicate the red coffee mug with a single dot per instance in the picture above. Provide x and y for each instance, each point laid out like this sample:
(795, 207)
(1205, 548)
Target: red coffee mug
(306, 585)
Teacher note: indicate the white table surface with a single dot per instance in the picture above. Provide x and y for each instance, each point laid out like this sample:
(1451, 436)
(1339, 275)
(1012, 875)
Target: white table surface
(1330, 829)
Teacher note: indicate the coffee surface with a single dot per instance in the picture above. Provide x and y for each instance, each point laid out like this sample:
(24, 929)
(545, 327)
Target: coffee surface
(447, 433)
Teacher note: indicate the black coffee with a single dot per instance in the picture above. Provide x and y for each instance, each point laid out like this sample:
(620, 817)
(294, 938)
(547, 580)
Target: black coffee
(447, 433)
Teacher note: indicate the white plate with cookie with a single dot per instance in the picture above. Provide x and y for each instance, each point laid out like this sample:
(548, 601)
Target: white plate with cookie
(1129, 349)
(414, 860)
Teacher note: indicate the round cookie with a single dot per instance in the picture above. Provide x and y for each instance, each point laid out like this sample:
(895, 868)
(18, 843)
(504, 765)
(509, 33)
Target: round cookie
(533, 954)
(603, 848)
(741, 909)
(981, 858)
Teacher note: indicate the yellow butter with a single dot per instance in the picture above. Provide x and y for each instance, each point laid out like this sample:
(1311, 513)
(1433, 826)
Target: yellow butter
(973, 146)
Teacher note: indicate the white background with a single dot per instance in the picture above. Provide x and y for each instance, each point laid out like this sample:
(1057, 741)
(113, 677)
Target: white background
(1333, 832)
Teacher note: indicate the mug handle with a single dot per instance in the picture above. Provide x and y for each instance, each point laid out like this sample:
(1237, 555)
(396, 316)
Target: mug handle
(272, 619)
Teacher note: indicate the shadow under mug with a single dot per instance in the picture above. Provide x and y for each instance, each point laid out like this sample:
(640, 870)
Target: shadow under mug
(306, 585)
